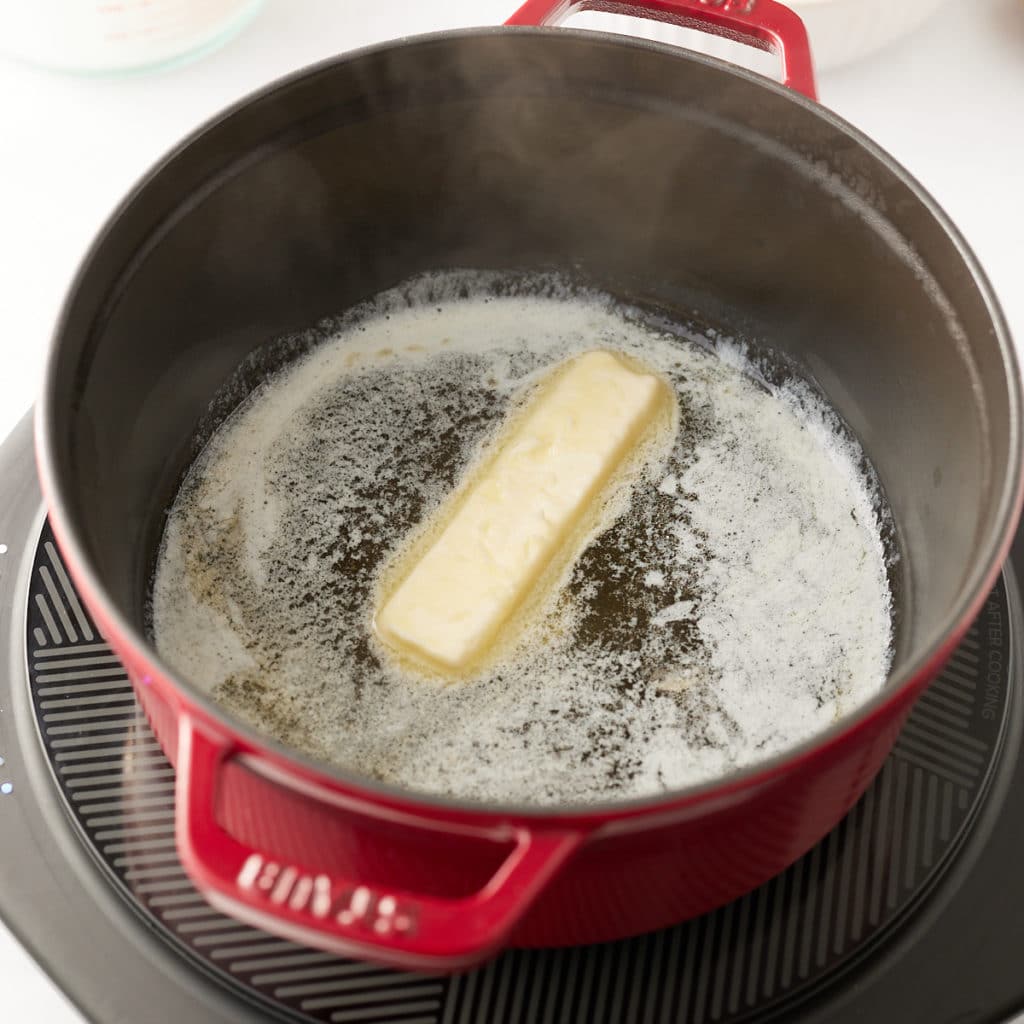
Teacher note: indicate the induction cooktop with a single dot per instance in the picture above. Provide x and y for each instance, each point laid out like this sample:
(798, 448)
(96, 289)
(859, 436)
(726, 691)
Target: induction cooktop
(911, 909)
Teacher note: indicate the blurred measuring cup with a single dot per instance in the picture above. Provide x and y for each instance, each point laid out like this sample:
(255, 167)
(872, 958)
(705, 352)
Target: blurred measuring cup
(117, 35)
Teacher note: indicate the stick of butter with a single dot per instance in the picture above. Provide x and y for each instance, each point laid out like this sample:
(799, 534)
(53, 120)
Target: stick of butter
(508, 526)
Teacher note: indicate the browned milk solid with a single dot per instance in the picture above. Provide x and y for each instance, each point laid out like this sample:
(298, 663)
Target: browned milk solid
(733, 600)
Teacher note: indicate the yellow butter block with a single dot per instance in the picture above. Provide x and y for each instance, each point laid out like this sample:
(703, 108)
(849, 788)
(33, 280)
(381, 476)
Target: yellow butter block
(549, 466)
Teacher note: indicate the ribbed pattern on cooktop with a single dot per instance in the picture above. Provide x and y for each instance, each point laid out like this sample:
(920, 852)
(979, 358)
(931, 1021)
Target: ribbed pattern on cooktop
(750, 960)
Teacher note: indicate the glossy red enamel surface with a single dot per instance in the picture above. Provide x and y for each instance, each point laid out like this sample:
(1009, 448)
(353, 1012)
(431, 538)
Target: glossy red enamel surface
(348, 866)
(762, 23)
(251, 833)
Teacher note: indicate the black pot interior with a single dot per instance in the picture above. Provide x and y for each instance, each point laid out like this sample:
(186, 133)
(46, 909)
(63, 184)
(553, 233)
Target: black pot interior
(664, 179)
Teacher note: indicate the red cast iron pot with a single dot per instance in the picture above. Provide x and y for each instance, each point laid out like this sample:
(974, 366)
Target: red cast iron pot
(667, 178)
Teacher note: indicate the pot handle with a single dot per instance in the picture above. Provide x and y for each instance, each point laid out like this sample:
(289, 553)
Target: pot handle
(766, 24)
(400, 929)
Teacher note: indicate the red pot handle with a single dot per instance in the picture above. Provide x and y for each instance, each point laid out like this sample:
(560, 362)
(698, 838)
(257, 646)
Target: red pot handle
(766, 24)
(400, 929)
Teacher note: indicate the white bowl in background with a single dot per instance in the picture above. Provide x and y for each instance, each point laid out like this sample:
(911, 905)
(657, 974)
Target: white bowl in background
(90, 37)
(841, 31)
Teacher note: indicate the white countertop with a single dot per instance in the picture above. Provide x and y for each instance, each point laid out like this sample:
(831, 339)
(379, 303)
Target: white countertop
(947, 103)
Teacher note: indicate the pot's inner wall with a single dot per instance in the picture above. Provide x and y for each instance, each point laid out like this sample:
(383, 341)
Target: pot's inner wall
(650, 175)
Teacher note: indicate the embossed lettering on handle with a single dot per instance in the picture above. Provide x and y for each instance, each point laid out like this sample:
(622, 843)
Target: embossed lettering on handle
(732, 6)
(345, 915)
(286, 885)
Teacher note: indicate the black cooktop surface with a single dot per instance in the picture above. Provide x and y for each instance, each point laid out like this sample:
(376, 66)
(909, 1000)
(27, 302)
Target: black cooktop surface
(912, 909)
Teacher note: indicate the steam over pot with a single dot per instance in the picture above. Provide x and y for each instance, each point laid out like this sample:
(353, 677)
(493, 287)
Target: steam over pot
(663, 177)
